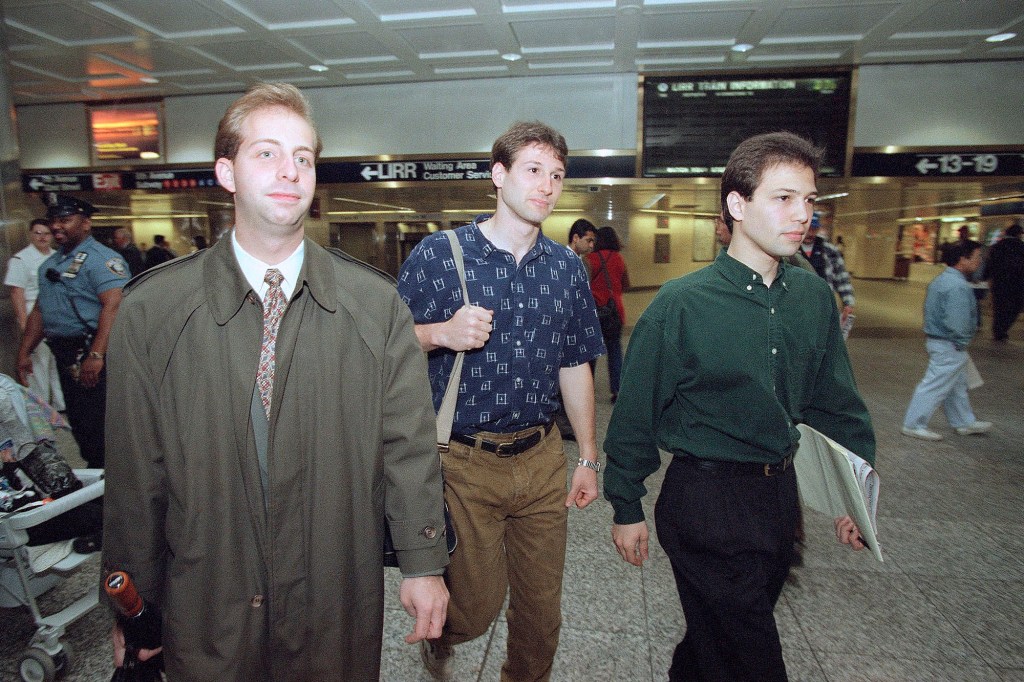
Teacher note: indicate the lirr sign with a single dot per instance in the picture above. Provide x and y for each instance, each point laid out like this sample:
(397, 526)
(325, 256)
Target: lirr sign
(408, 171)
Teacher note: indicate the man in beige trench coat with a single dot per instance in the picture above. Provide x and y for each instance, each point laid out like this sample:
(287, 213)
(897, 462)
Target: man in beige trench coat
(266, 561)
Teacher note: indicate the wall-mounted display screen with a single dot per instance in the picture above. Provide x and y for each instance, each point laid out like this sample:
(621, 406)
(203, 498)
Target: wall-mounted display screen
(126, 132)
(691, 124)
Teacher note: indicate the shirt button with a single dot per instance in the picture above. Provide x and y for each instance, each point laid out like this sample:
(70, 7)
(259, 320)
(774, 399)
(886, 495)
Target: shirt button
(774, 351)
(257, 601)
(519, 343)
(520, 305)
(753, 277)
(750, 288)
(773, 311)
(430, 532)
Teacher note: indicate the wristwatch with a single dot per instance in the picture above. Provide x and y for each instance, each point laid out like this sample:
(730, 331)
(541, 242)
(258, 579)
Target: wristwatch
(95, 355)
(596, 466)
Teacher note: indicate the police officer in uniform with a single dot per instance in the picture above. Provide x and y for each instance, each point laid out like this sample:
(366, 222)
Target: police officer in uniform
(79, 292)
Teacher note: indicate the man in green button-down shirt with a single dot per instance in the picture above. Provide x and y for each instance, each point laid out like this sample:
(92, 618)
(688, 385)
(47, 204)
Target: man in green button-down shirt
(720, 368)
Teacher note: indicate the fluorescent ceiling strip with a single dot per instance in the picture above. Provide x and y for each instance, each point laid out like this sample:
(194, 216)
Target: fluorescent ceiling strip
(558, 6)
(435, 14)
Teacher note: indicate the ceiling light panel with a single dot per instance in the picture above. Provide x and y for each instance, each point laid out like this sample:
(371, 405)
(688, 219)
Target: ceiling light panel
(419, 10)
(275, 15)
(693, 26)
(521, 6)
(566, 34)
(248, 55)
(64, 25)
(849, 18)
(468, 39)
(956, 15)
(189, 20)
(354, 47)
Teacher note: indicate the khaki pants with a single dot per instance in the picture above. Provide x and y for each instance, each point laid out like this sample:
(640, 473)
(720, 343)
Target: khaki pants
(510, 516)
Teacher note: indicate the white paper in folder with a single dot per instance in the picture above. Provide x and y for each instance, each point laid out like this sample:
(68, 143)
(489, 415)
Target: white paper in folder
(836, 482)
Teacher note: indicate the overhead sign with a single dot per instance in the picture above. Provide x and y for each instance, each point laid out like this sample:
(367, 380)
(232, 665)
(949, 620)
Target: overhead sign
(691, 124)
(166, 180)
(957, 163)
(407, 170)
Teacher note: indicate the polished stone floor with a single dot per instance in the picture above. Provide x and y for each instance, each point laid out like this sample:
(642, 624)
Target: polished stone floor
(947, 603)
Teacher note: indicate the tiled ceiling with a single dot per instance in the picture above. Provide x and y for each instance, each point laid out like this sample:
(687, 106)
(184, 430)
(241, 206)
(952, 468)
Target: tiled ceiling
(89, 50)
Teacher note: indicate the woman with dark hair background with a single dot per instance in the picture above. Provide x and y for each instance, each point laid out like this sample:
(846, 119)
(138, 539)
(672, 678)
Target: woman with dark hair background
(608, 279)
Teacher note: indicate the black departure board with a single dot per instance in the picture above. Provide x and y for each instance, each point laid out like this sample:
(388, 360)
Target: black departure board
(691, 124)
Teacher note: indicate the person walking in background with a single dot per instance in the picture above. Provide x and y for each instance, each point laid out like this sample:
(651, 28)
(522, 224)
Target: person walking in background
(79, 294)
(950, 322)
(159, 253)
(828, 262)
(1005, 270)
(722, 366)
(129, 252)
(269, 409)
(23, 279)
(608, 279)
(529, 329)
(582, 236)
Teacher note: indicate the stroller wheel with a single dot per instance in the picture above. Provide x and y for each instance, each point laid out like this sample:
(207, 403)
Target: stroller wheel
(37, 666)
(64, 660)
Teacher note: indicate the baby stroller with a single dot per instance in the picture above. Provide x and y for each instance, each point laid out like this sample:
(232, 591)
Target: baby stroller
(38, 487)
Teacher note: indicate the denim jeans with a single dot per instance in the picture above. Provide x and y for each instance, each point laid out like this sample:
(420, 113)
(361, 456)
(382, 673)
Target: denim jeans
(945, 383)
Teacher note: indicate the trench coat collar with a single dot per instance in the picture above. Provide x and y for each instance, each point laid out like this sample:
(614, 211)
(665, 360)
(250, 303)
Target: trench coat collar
(227, 289)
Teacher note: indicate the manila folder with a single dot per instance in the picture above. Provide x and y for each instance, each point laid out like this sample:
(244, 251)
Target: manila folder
(836, 482)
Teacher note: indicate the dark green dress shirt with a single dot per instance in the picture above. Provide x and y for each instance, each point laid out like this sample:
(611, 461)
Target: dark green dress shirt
(722, 367)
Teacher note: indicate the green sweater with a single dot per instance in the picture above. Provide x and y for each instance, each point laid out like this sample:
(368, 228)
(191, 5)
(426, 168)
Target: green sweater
(721, 367)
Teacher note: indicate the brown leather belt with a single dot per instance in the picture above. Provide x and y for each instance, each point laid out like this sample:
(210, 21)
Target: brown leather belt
(509, 449)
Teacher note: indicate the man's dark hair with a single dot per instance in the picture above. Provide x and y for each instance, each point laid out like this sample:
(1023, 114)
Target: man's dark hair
(507, 147)
(954, 251)
(45, 223)
(756, 154)
(1013, 230)
(580, 229)
(159, 239)
(607, 239)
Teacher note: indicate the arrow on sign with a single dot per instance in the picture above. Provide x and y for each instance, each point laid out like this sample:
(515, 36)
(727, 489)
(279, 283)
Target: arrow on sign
(924, 165)
(368, 172)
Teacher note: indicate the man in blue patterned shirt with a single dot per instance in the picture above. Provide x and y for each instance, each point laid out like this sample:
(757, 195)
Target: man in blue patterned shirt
(530, 328)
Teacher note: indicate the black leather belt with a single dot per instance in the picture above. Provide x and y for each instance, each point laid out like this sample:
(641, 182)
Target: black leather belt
(509, 449)
(738, 468)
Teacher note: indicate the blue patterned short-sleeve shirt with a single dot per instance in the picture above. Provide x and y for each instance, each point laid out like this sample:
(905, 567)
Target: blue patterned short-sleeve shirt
(544, 319)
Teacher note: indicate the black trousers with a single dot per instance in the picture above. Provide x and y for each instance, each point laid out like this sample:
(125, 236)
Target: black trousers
(1006, 307)
(730, 540)
(86, 407)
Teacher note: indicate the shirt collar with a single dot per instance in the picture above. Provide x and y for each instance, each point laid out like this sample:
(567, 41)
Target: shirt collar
(542, 245)
(255, 270)
(743, 276)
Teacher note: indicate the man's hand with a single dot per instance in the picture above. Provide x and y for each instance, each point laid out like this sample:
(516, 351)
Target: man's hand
(89, 374)
(469, 328)
(848, 533)
(631, 542)
(583, 490)
(425, 599)
(119, 648)
(847, 311)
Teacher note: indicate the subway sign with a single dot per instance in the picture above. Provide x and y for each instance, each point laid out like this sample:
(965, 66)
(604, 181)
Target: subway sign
(953, 163)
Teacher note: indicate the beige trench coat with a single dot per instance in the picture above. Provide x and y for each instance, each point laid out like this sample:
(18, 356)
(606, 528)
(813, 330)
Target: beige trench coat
(293, 590)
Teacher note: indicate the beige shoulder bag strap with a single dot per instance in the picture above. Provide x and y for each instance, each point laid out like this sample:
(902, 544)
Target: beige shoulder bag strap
(446, 413)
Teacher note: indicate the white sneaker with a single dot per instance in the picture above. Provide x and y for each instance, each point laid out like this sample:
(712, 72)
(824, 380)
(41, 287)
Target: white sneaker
(436, 660)
(976, 427)
(923, 434)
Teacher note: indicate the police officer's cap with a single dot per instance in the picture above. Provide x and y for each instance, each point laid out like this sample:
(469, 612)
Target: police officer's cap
(61, 205)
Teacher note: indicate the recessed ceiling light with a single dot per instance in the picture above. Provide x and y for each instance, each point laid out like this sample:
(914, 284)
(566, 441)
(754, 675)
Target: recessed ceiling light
(317, 67)
(511, 56)
(149, 79)
(1000, 37)
(742, 47)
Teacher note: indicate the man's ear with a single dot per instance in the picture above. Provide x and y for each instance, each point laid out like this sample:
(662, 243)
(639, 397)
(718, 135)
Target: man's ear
(736, 205)
(498, 172)
(224, 169)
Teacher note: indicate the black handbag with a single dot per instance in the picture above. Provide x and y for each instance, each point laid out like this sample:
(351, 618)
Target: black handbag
(608, 314)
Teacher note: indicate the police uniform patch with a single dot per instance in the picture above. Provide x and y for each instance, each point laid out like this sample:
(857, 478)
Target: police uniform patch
(117, 266)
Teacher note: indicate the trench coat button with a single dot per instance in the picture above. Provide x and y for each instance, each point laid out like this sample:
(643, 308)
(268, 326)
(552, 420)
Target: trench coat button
(257, 601)
(430, 532)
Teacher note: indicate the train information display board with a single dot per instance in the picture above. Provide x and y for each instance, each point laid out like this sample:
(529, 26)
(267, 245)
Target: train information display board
(692, 123)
